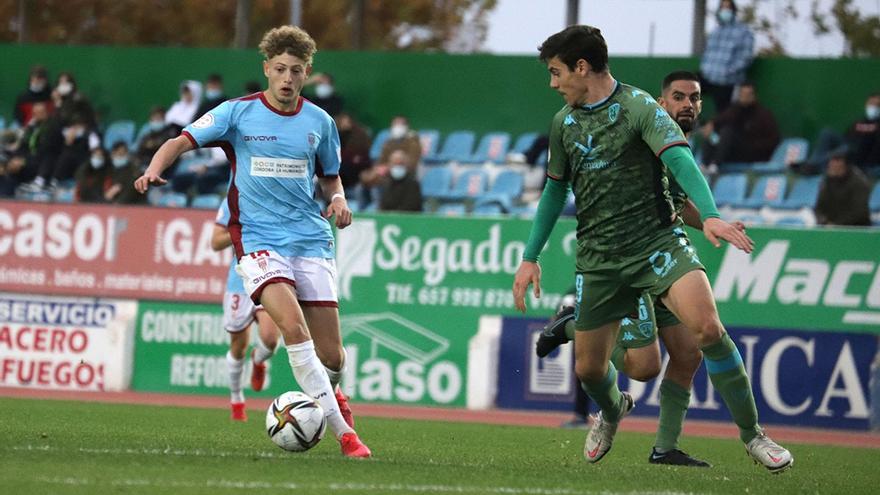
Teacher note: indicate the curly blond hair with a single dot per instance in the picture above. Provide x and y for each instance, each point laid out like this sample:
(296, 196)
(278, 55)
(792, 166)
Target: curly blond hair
(288, 39)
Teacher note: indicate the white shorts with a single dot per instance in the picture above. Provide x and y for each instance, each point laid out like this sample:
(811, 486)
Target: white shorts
(313, 278)
(238, 311)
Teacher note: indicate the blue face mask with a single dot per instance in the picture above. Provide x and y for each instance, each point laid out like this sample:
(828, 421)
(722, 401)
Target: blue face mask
(725, 16)
(120, 161)
(213, 94)
(97, 162)
(398, 172)
(155, 125)
(872, 112)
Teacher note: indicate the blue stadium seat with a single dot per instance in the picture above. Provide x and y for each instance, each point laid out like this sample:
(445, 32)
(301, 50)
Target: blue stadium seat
(791, 221)
(768, 191)
(790, 150)
(2, 122)
(471, 184)
(492, 148)
(457, 146)
(506, 188)
(121, 130)
(730, 189)
(874, 201)
(206, 201)
(524, 142)
(378, 141)
(141, 133)
(488, 209)
(451, 209)
(65, 195)
(172, 200)
(803, 194)
(430, 140)
(436, 182)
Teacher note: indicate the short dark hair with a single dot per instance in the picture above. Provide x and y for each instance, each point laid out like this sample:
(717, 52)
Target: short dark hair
(574, 43)
(119, 144)
(214, 78)
(679, 75)
(732, 6)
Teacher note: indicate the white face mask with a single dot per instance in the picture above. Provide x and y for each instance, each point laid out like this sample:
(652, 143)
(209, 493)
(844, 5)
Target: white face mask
(64, 88)
(398, 131)
(213, 94)
(398, 172)
(725, 16)
(872, 112)
(97, 162)
(36, 87)
(324, 90)
(120, 161)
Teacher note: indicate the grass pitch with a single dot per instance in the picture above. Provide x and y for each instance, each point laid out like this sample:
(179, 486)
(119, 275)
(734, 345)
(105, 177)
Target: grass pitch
(93, 448)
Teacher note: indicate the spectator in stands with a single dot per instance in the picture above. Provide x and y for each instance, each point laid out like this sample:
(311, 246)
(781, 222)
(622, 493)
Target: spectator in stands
(159, 132)
(746, 132)
(355, 143)
(71, 104)
(121, 177)
(537, 149)
(401, 190)
(92, 178)
(38, 91)
(61, 159)
(402, 138)
(324, 94)
(183, 112)
(204, 177)
(252, 87)
(25, 154)
(728, 54)
(214, 94)
(843, 195)
(862, 139)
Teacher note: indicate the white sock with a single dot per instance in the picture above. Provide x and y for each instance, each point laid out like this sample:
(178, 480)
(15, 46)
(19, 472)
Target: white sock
(312, 378)
(336, 376)
(234, 366)
(261, 352)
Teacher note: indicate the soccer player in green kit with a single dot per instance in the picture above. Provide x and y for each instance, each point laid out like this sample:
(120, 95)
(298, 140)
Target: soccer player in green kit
(613, 143)
(637, 352)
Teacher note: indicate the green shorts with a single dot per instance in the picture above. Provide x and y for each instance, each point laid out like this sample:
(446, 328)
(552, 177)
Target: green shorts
(607, 288)
(640, 330)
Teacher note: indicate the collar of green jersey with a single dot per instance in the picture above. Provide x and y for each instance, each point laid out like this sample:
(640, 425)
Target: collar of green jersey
(603, 100)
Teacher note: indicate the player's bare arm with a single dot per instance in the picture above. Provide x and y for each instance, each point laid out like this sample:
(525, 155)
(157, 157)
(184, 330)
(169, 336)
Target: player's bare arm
(691, 217)
(336, 203)
(528, 273)
(164, 157)
(220, 238)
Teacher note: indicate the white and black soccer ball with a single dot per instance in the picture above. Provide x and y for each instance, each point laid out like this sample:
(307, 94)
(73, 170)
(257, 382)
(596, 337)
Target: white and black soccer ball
(295, 422)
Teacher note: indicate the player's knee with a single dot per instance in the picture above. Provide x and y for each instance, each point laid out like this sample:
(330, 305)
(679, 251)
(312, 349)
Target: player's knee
(332, 359)
(590, 372)
(709, 330)
(643, 370)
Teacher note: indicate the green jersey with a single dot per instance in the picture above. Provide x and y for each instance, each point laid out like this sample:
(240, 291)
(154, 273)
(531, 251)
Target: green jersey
(609, 151)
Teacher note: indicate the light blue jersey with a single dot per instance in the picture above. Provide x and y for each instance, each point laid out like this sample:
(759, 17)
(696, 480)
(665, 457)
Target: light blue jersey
(274, 157)
(234, 284)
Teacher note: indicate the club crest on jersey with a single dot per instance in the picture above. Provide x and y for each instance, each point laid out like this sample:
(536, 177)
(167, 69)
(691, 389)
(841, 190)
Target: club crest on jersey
(313, 139)
(613, 112)
(206, 120)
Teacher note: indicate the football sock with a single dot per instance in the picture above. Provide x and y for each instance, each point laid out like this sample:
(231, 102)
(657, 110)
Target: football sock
(674, 401)
(335, 376)
(312, 378)
(725, 367)
(606, 394)
(261, 352)
(234, 366)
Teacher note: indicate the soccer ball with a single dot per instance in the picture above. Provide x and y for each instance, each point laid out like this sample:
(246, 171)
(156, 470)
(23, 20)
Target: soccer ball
(295, 422)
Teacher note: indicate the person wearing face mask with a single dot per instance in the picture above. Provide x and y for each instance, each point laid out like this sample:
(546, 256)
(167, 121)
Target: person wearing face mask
(183, 112)
(70, 102)
(324, 93)
(38, 91)
(747, 132)
(402, 191)
(862, 138)
(154, 133)
(122, 172)
(92, 178)
(729, 53)
(843, 195)
(214, 94)
(400, 138)
(355, 144)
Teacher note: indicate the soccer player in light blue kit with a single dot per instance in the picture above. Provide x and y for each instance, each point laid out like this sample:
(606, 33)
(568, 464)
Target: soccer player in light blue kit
(239, 312)
(277, 142)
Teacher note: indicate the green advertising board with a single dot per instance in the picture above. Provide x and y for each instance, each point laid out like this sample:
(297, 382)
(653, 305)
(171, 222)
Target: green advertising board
(181, 348)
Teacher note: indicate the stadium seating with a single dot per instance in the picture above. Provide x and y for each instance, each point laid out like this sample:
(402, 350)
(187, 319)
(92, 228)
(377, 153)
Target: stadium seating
(457, 147)
(430, 140)
(452, 209)
(506, 189)
(792, 221)
(488, 209)
(206, 201)
(874, 201)
(524, 142)
(172, 200)
(730, 189)
(470, 184)
(378, 141)
(790, 150)
(768, 191)
(120, 130)
(436, 182)
(65, 195)
(141, 133)
(803, 194)
(492, 148)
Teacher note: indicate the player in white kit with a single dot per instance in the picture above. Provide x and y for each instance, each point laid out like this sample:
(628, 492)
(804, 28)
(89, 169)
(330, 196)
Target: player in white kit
(276, 142)
(239, 312)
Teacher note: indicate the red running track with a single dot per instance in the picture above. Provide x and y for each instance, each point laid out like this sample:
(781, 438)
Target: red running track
(711, 429)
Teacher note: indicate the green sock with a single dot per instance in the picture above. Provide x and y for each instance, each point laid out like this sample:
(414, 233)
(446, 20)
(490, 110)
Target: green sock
(673, 406)
(725, 367)
(617, 355)
(569, 329)
(606, 394)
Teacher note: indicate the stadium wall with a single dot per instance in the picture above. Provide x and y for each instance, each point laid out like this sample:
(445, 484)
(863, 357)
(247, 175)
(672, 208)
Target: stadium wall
(804, 309)
(446, 92)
